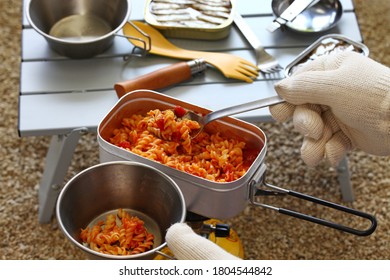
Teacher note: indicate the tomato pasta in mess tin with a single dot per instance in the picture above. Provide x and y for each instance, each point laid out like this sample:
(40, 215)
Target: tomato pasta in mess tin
(165, 136)
(236, 150)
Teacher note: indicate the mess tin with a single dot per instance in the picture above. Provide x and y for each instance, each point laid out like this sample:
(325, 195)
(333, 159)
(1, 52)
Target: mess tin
(323, 46)
(204, 197)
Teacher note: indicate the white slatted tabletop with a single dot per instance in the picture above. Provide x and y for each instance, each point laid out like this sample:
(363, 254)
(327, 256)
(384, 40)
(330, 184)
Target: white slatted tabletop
(71, 88)
(59, 95)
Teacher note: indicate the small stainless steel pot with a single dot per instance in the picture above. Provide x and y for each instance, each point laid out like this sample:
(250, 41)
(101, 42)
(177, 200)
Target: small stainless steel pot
(78, 28)
(139, 189)
(320, 17)
(204, 197)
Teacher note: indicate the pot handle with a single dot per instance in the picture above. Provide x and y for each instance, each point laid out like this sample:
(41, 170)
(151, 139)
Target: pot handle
(164, 255)
(146, 44)
(255, 191)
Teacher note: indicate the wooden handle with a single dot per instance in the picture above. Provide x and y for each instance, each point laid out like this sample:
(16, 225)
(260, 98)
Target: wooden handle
(158, 79)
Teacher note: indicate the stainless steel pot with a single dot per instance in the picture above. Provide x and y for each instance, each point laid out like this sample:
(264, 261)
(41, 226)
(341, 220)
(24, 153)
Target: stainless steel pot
(204, 197)
(141, 190)
(320, 17)
(78, 28)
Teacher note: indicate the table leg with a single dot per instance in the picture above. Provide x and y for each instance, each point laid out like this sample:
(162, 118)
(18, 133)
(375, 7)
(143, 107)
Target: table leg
(58, 160)
(345, 181)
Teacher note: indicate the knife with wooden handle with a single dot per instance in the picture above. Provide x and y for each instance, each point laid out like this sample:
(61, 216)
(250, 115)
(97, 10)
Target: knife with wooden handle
(163, 77)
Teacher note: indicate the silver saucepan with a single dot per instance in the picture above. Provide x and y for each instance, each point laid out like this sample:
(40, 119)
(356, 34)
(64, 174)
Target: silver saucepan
(140, 190)
(317, 18)
(78, 28)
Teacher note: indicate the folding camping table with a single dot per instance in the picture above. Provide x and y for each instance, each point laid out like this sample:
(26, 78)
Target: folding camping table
(65, 98)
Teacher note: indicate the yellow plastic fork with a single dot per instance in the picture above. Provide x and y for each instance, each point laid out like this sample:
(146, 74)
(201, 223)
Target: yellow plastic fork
(230, 65)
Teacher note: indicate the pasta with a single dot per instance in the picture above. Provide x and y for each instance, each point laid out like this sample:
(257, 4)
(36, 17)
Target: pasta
(128, 236)
(164, 136)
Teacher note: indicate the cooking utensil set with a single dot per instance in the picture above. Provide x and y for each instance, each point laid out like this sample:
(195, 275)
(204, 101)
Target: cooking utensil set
(230, 65)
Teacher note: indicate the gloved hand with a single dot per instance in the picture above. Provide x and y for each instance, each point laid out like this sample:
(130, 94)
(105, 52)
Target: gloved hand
(338, 102)
(185, 244)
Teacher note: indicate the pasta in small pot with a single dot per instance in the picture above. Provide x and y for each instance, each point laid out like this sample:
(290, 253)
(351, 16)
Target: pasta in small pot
(127, 236)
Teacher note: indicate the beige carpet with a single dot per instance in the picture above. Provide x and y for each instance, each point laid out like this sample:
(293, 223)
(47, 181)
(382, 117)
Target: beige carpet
(265, 234)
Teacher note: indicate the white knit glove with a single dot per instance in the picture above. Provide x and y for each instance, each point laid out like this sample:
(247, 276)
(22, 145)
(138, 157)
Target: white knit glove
(338, 102)
(185, 244)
